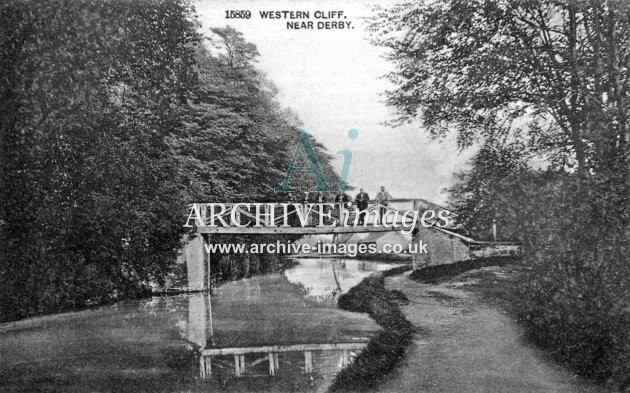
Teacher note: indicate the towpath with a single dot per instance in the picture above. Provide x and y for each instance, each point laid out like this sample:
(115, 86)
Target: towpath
(466, 345)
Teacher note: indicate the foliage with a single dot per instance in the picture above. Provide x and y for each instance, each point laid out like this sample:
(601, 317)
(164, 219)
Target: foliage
(89, 92)
(552, 73)
(575, 296)
(542, 89)
(113, 117)
(237, 266)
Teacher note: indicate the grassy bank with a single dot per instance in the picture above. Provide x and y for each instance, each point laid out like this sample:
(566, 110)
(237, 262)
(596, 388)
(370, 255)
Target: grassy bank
(440, 273)
(384, 350)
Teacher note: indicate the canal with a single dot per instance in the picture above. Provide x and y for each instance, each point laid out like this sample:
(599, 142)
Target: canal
(154, 344)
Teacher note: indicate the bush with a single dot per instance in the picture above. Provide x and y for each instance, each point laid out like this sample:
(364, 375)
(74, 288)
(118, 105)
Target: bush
(577, 306)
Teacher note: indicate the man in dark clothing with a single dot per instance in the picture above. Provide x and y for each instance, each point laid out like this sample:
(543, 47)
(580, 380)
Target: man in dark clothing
(342, 200)
(305, 198)
(320, 198)
(293, 220)
(362, 200)
(341, 197)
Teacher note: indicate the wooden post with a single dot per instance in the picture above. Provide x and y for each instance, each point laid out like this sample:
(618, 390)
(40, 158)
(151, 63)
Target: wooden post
(202, 366)
(210, 320)
(203, 212)
(453, 249)
(344, 358)
(237, 215)
(308, 362)
(272, 364)
(208, 265)
(208, 364)
(239, 365)
(414, 256)
(205, 365)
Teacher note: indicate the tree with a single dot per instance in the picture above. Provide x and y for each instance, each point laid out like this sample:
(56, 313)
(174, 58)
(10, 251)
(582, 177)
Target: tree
(113, 118)
(89, 91)
(235, 126)
(534, 81)
(552, 73)
(238, 140)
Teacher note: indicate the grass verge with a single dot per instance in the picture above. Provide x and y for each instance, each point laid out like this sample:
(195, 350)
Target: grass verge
(441, 273)
(384, 350)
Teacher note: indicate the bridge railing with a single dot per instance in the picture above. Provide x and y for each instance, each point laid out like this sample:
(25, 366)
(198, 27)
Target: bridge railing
(270, 355)
(279, 214)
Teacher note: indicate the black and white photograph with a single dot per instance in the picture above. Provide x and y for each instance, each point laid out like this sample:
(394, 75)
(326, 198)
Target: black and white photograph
(315, 196)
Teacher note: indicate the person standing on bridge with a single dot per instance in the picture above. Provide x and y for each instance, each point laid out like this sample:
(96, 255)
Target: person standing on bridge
(342, 200)
(342, 197)
(293, 220)
(307, 198)
(362, 200)
(321, 198)
(382, 198)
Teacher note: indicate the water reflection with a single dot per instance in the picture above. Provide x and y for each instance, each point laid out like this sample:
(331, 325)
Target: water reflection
(281, 323)
(326, 279)
(199, 329)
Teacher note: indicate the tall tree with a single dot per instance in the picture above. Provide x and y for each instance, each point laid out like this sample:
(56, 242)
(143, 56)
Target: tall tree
(113, 118)
(89, 93)
(553, 73)
(535, 80)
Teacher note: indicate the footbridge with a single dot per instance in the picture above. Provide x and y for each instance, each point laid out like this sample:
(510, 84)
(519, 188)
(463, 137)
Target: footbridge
(309, 218)
(417, 220)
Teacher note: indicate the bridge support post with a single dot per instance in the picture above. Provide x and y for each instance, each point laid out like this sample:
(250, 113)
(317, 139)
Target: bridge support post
(239, 365)
(308, 362)
(205, 366)
(273, 363)
(344, 358)
(192, 254)
(207, 240)
(415, 235)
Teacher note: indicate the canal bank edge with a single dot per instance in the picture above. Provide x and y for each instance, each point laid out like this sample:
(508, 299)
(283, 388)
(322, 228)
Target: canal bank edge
(385, 349)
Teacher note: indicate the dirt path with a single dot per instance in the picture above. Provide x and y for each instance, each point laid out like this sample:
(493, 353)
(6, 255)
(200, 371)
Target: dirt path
(467, 346)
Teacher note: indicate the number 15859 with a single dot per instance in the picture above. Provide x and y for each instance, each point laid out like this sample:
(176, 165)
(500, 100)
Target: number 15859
(232, 14)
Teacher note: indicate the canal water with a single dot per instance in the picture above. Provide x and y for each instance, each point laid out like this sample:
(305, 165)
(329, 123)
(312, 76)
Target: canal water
(153, 344)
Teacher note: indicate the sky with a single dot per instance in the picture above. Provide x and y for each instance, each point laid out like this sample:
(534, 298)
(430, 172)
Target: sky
(333, 80)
